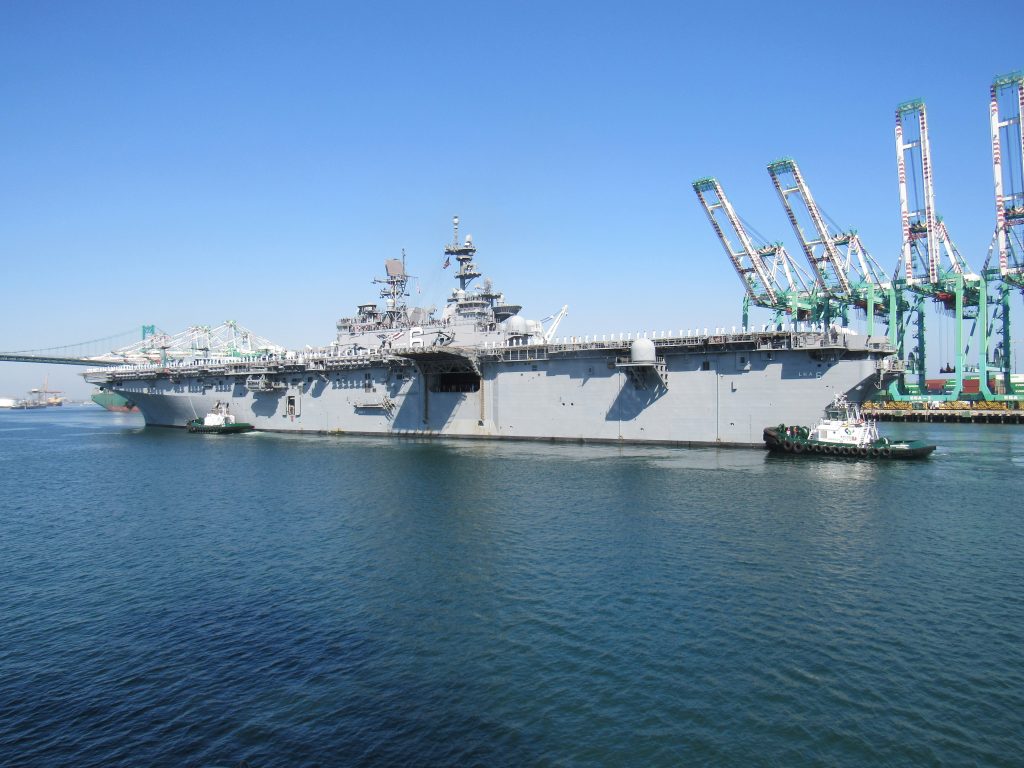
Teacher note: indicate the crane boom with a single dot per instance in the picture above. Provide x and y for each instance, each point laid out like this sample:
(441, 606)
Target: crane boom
(845, 248)
(820, 248)
(555, 322)
(746, 260)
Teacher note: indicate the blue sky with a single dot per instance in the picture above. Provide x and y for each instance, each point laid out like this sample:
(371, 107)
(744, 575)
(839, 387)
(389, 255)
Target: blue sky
(188, 163)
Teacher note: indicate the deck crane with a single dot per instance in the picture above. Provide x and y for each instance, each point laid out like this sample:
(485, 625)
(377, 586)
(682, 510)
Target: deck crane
(931, 266)
(1006, 107)
(771, 278)
(841, 263)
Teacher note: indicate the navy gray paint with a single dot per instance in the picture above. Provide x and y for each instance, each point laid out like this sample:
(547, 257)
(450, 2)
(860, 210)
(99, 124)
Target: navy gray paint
(481, 370)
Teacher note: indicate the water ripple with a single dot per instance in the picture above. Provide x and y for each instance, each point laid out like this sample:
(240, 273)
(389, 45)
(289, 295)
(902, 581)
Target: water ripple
(293, 600)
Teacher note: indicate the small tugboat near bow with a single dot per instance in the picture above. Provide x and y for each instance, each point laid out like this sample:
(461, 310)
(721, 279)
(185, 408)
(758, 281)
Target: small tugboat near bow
(844, 432)
(219, 421)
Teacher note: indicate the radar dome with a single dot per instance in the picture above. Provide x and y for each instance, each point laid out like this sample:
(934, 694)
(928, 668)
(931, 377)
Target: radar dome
(515, 325)
(460, 294)
(642, 351)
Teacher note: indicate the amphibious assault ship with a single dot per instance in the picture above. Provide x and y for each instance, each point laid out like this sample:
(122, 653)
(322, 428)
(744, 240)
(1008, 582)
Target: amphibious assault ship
(479, 369)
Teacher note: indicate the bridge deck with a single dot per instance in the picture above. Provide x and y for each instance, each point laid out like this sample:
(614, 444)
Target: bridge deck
(14, 357)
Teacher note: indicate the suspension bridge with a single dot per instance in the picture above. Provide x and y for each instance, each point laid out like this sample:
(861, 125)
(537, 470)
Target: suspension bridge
(95, 352)
(149, 344)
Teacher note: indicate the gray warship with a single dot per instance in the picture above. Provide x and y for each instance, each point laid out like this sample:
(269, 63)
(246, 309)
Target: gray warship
(478, 369)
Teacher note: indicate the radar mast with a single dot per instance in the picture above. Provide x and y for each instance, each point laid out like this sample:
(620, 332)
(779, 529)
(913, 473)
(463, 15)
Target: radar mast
(464, 254)
(393, 290)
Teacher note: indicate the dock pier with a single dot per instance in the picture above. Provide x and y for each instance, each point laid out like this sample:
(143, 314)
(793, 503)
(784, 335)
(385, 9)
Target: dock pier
(962, 415)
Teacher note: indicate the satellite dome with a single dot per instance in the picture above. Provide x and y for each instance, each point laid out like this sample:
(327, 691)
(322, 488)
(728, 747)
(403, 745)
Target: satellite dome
(642, 351)
(515, 325)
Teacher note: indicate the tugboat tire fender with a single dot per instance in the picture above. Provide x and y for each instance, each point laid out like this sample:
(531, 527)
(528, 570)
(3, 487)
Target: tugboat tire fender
(787, 444)
(887, 452)
(862, 452)
(798, 447)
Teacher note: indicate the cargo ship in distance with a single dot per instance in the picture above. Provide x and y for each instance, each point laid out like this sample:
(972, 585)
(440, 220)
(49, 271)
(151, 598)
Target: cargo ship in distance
(481, 370)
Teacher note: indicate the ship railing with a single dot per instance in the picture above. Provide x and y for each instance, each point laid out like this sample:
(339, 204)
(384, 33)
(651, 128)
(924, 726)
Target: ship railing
(891, 365)
(520, 354)
(766, 339)
(690, 342)
(880, 346)
(626, 361)
(798, 341)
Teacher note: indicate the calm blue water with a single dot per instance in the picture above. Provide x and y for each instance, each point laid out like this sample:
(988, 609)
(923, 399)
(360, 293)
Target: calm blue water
(173, 599)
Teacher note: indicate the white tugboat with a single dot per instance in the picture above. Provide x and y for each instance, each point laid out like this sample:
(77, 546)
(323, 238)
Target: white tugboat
(219, 421)
(843, 432)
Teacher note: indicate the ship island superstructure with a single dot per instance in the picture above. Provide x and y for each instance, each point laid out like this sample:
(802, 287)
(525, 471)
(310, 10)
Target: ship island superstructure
(480, 369)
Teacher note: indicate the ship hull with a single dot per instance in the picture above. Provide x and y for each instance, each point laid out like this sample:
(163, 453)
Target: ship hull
(702, 396)
(112, 401)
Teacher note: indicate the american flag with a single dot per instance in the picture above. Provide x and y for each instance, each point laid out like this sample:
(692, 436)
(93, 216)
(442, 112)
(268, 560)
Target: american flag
(447, 262)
